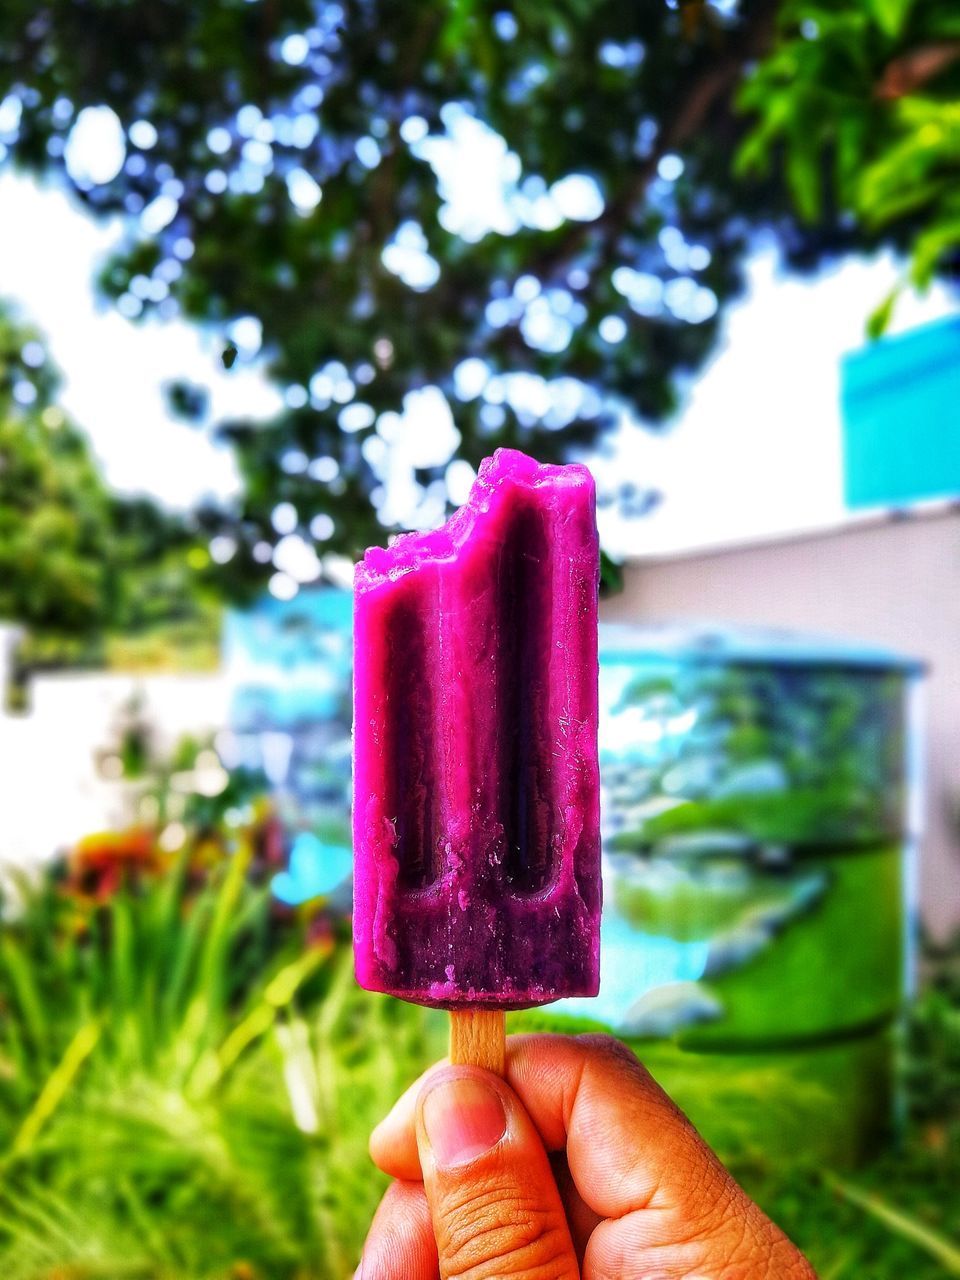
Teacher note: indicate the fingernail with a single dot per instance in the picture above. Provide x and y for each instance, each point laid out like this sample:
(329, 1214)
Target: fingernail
(463, 1119)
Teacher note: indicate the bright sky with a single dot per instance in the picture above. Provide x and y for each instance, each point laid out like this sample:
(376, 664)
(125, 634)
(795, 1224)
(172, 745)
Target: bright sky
(756, 449)
(114, 369)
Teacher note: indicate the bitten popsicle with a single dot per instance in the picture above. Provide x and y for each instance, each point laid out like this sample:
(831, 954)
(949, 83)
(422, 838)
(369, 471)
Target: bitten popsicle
(476, 782)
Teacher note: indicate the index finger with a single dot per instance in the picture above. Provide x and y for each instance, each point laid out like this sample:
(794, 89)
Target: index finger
(628, 1146)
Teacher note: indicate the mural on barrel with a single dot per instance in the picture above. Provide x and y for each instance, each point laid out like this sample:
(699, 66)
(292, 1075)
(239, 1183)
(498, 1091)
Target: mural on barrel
(755, 798)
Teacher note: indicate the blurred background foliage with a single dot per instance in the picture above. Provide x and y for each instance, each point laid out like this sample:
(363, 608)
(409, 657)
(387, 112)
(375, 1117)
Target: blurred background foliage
(862, 103)
(79, 564)
(281, 171)
(188, 1075)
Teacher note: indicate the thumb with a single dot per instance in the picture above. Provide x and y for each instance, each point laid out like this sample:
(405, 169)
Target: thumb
(494, 1204)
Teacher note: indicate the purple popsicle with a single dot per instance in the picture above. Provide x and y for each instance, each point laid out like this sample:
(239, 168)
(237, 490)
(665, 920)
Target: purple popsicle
(476, 783)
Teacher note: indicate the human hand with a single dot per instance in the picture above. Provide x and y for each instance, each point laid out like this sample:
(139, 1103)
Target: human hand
(578, 1165)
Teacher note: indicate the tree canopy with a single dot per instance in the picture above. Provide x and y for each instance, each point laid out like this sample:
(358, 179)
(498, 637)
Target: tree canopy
(450, 226)
(76, 560)
(54, 509)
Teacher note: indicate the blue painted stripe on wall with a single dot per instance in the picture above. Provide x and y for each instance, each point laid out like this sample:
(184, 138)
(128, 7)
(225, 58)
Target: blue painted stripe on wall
(900, 401)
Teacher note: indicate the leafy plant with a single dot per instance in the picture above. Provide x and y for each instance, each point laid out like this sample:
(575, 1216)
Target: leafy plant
(186, 1092)
(859, 104)
(183, 1093)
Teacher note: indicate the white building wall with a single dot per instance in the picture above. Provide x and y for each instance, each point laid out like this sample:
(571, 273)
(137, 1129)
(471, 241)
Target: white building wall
(51, 787)
(892, 583)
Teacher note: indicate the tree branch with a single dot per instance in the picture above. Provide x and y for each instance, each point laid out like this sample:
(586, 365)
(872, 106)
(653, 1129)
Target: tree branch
(912, 70)
(701, 96)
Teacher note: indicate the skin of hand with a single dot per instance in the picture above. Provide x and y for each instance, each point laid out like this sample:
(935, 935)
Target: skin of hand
(577, 1165)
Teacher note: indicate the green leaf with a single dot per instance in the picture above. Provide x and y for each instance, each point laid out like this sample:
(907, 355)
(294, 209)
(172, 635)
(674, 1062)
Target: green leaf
(56, 1086)
(879, 319)
(903, 1224)
(897, 201)
(803, 177)
(930, 249)
(890, 15)
(22, 977)
(611, 576)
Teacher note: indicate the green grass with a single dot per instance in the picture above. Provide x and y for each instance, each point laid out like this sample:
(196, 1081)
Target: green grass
(186, 1094)
(187, 1087)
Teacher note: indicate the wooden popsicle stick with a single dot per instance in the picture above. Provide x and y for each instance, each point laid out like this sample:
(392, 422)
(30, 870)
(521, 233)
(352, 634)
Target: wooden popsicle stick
(478, 1039)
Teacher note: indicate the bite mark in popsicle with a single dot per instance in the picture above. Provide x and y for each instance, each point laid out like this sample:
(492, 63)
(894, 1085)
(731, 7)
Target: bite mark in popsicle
(476, 784)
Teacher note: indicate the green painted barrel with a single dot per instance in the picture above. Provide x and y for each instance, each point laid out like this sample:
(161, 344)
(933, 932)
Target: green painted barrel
(757, 801)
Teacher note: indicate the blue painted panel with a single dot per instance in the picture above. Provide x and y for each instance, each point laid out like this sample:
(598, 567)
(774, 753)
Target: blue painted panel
(901, 418)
